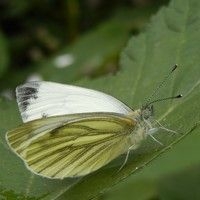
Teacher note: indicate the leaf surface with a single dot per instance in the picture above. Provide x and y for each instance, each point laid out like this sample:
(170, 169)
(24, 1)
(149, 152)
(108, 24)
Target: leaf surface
(171, 37)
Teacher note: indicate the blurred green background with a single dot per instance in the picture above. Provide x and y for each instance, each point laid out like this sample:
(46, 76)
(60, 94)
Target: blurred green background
(66, 40)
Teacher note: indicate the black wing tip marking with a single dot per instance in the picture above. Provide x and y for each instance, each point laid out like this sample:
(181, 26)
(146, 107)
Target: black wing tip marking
(25, 93)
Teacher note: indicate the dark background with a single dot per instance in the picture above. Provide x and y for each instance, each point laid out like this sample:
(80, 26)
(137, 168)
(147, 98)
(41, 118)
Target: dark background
(34, 32)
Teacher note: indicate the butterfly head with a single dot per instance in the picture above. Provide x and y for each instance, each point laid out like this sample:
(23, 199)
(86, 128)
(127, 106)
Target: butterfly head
(143, 114)
(146, 112)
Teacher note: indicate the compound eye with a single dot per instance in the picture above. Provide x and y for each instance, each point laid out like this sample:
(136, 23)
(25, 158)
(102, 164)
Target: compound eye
(147, 112)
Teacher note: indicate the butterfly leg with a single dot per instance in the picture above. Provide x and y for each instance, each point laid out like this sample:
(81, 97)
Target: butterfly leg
(151, 132)
(165, 129)
(126, 158)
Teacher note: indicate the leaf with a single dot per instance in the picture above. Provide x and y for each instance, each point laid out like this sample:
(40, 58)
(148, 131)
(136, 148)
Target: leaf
(187, 181)
(167, 175)
(171, 37)
(4, 58)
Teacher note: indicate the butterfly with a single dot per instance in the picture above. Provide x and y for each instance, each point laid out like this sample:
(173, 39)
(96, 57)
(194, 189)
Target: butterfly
(70, 131)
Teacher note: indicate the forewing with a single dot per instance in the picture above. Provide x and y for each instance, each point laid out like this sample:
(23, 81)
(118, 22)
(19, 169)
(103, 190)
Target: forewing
(73, 148)
(45, 99)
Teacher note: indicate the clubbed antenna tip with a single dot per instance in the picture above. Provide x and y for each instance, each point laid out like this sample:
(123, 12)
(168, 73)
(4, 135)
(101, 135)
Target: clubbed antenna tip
(179, 96)
(174, 67)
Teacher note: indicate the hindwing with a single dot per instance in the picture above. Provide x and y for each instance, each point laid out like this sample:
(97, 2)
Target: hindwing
(71, 145)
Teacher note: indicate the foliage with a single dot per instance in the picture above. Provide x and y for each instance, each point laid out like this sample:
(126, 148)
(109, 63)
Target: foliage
(153, 171)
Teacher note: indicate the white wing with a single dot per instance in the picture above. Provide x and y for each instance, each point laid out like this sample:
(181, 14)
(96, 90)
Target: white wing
(45, 99)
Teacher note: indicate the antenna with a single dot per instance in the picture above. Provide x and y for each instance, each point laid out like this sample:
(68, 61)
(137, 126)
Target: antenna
(160, 85)
(163, 99)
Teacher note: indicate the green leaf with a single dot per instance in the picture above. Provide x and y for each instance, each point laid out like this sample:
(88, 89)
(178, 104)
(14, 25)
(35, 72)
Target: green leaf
(187, 181)
(167, 175)
(171, 37)
(4, 58)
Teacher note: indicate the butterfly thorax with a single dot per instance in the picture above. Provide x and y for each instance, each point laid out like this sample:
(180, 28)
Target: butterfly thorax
(143, 125)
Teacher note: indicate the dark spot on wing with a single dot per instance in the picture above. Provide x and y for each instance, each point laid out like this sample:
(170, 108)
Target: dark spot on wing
(44, 115)
(31, 91)
(24, 94)
(25, 104)
(24, 98)
(28, 91)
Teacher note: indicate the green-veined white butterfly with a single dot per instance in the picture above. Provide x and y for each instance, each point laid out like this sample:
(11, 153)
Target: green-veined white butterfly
(70, 131)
